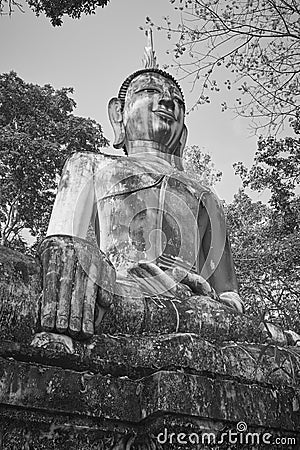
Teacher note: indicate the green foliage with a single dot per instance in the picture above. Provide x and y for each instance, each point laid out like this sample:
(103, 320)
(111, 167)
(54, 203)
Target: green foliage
(199, 163)
(55, 9)
(254, 43)
(37, 132)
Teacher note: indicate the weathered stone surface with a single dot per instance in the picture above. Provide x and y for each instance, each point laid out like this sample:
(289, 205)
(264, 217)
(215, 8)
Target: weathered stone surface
(137, 357)
(40, 431)
(119, 393)
(220, 400)
(21, 429)
(51, 408)
(55, 389)
(19, 295)
(197, 314)
(65, 391)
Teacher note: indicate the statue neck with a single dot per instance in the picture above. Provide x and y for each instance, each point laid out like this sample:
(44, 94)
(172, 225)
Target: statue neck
(148, 148)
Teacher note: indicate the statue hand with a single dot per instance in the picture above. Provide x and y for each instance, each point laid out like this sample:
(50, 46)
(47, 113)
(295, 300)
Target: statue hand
(233, 300)
(178, 282)
(200, 286)
(154, 281)
(72, 272)
(194, 281)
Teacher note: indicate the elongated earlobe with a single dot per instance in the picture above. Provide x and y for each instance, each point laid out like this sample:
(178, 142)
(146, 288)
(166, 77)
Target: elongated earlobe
(116, 119)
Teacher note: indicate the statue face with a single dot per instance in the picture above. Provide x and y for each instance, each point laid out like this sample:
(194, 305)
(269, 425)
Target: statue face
(154, 110)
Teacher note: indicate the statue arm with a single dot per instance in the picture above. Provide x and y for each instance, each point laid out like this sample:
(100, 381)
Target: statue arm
(73, 268)
(218, 267)
(75, 200)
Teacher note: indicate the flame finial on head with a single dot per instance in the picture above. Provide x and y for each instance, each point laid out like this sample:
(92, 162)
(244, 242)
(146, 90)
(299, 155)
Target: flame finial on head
(151, 66)
(149, 58)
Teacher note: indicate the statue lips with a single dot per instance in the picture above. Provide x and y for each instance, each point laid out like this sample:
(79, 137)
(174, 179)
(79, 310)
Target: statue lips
(165, 114)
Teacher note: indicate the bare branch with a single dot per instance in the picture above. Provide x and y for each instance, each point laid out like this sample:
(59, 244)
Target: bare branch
(258, 43)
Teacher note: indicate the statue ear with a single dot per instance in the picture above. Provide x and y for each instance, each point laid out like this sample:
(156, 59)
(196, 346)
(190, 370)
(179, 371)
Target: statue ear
(116, 119)
(177, 155)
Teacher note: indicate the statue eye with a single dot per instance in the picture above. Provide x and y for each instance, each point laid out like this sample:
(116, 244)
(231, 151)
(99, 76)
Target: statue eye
(179, 101)
(149, 90)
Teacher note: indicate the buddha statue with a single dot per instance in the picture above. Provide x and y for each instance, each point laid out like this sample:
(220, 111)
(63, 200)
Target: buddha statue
(158, 232)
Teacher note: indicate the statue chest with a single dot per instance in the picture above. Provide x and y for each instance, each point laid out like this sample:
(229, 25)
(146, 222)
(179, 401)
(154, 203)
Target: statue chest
(148, 216)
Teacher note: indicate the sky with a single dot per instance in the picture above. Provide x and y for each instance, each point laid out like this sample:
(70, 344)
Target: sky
(96, 53)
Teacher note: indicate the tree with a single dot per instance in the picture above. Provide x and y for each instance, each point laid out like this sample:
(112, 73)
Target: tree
(9, 6)
(199, 163)
(55, 9)
(277, 168)
(266, 239)
(267, 261)
(255, 43)
(37, 132)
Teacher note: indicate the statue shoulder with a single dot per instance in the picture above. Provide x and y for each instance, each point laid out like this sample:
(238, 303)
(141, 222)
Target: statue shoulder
(193, 184)
(203, 192)
(212, 202)
(90, 158)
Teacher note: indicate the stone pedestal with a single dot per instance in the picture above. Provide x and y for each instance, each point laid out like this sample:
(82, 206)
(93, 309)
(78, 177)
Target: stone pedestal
(146, 391)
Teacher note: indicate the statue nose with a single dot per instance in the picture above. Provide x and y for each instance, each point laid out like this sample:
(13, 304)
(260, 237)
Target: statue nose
(167, 101)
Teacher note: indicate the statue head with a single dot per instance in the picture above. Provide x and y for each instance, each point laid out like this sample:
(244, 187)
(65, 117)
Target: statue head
(149, 107)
